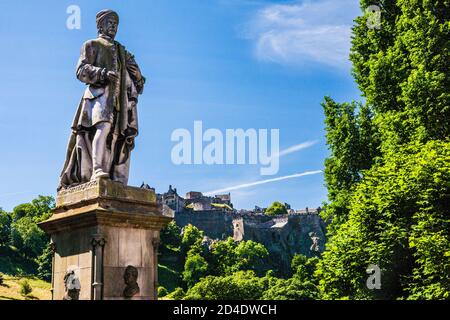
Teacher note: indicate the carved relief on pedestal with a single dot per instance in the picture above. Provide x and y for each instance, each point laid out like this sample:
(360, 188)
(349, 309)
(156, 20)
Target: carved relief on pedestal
(72, 286)
(130, 277)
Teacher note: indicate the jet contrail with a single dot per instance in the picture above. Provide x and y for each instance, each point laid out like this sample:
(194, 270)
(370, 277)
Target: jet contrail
(297, 147)
(251, 184)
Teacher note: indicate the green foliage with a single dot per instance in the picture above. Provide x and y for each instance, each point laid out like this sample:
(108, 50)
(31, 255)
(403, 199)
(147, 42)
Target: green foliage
(171, 235)
(191, 239)
(222, 258)
(353, 144)
(25, 235)
(5, 227)
(22, 242)
(170, 274)
(13, 262)
(195, 268)
(177, 294)
(251, 255)
(28, 237)
(388, 172)
(399, 220)
(44, 263)
(228, 256)
(291, 289)
(276, 208)
(25, 287)
(38, 210)
(301, 286)
(245, 284)
(242, 285)
(162, 292)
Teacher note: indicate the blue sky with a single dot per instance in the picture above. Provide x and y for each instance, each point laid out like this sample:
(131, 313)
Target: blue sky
(231, 64)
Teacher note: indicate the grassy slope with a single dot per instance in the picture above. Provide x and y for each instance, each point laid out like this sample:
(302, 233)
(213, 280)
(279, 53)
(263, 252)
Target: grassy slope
(10, 289)
(170, 268)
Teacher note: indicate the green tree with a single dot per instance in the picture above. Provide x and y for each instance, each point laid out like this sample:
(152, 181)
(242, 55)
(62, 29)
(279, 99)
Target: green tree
(39, 209)
(242, 285)
(353, 143)
(222, 258)
(276, 208)
(251, 255)
(44, 263)
(291, 289)
(399, 220)
(195, 268)
(5, 228)
(171, 235)
(388, 174)
(191, 239)
(301, 286)
(28, 237)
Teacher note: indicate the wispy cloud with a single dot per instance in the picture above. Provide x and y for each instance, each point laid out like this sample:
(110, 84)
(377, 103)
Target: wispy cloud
(297, 147)
(304, 31)
(255, 183)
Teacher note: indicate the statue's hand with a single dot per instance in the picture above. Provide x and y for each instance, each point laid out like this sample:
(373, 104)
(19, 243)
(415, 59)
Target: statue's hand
(112, 76)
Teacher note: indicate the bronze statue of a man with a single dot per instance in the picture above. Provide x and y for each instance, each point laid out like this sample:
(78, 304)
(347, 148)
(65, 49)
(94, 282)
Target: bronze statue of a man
(105, 123)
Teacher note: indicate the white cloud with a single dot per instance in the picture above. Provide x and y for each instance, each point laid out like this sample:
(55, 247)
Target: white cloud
(302, 32)
(255, 183)
(297, 147)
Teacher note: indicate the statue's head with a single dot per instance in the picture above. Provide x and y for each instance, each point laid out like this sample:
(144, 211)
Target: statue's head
(107, 22)
(130, 276)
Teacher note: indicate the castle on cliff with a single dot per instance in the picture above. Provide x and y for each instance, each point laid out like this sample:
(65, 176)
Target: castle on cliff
(299, 231)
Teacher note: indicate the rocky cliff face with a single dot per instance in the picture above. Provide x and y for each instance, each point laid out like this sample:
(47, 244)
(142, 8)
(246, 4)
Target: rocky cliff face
(283, 236)
(286, 236)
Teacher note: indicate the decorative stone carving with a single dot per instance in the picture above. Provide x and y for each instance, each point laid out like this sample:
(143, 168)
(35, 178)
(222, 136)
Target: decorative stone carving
(98, 242)
(78, 188)
(72, 286)
(98, 245)
(130, 277)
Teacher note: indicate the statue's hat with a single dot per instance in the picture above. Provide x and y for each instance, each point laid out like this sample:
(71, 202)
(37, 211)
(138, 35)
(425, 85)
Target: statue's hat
(105, 13)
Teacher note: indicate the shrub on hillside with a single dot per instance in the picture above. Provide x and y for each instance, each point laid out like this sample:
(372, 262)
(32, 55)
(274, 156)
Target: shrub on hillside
(25, 287)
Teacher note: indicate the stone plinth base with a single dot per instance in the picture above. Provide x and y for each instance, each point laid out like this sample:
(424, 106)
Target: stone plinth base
(105, 238)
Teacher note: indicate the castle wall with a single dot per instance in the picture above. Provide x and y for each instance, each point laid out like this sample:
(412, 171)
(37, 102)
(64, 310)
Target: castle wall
(215, 224)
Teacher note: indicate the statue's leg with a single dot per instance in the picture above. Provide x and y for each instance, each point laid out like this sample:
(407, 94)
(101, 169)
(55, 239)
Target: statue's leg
(99, 150)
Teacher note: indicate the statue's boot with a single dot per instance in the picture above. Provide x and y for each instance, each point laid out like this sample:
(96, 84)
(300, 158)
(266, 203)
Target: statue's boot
(99, 173)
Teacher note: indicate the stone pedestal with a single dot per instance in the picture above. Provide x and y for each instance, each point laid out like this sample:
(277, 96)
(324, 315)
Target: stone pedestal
(105, 237)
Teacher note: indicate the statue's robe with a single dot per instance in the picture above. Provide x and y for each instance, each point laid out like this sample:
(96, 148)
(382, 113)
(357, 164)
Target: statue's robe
(104, 101)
